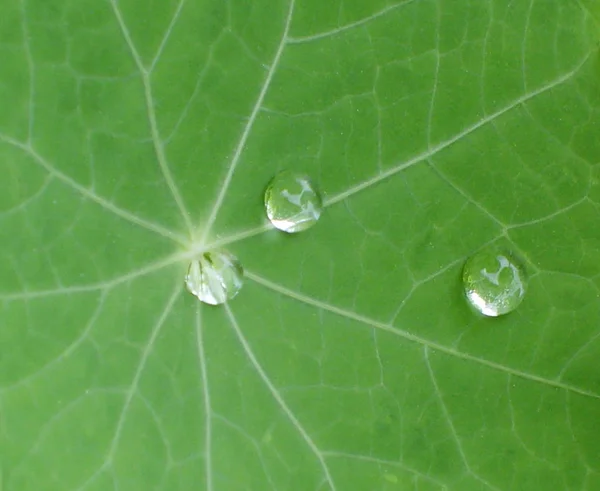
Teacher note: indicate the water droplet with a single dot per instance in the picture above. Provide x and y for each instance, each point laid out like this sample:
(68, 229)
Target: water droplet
(495, 281)
(292, 202)
(215, 278)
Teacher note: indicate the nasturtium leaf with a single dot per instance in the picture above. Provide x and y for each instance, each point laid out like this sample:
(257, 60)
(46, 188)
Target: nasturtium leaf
(136, 136)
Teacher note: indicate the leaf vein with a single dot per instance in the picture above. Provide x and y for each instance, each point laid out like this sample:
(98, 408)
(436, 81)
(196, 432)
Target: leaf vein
(92, 196)
(159, 148)
(130, 394)
(206, 397)
(414, 338)
(430, 152)
(278, 398)
(348, 27)
(249, 124)
(391, 463)
(167, 35)
(71, 348)
(451, 426)
(101, 285)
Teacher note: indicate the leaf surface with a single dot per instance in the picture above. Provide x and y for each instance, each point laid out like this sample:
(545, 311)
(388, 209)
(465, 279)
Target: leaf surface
(136, 135)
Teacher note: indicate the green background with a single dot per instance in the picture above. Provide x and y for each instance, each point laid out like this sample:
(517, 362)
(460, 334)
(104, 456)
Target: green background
(134, 135)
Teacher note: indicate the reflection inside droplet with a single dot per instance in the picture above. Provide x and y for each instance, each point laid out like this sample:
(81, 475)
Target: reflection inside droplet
(215, 277)
(494, 281)
(292, 202)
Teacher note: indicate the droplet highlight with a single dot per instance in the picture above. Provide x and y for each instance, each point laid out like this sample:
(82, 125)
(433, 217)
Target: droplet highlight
(292, 202)
(494, 281)
(215, 278)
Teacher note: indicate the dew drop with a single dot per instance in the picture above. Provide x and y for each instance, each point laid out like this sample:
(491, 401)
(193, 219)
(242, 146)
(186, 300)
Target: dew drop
(215, 278)
(494, 281)
(292, 202)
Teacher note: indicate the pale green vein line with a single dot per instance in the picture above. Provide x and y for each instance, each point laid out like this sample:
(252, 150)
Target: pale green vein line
(451, 141)
(238, 429)
(140, 369)
(162, 158)
(436, 73)
(31, 69)
(583, 455)
(159, 424)
(196, 249)
(549, 216)
(465, 195)
(83, 486)
(156, 139)
(101, 285)
(348, 27)
(167, 35)
(577, 354)
(89, 194)
(390, 463)
(554, 138)
(587, 10)
(248, 128)
(277, 396)
(127, 36)
(451, 426)
(70, 349)
(199, 81)
(525, 43)
(30, 199)
(46, 429)
(515, 430)
(207, 405)
(414, 338)
(505, 229)
(428, 278)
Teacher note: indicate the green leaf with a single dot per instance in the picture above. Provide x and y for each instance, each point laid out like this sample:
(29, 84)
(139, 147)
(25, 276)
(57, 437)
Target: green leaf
(136, 135)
